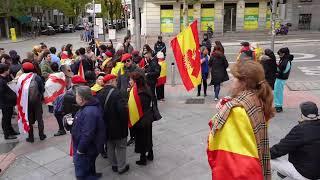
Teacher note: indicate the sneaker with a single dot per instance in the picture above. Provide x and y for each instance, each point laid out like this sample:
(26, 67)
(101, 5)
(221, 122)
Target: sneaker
(131, 141)
(115, 168)
(278, 109)
(14, 133)
(10, 137)
(125, 169)
(216, 99)
(30, 140)
(60, 133)
(43, 137)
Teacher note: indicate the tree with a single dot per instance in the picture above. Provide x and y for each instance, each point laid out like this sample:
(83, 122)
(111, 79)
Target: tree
(113, 9)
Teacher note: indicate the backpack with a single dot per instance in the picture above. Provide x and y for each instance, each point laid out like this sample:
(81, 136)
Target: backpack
(34, 94)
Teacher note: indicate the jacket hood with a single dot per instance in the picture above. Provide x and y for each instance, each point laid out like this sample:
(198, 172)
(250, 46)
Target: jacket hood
(291, 57)
(93, 102)
(264, 58)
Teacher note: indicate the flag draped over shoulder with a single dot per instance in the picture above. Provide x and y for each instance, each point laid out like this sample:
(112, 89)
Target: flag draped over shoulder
(163, 74)
(186, 51)
(22, 101)
(81, 71)
(134, 106)
(55, 86)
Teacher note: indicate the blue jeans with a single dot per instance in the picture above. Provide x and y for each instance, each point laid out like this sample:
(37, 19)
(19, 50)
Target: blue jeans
(216, 90)
(85, 166)
(278, 92)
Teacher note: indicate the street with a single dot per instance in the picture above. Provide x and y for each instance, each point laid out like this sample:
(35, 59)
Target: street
(180, 138)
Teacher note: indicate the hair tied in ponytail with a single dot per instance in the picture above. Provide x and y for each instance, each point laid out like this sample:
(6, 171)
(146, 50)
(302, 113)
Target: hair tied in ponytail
(260, 83)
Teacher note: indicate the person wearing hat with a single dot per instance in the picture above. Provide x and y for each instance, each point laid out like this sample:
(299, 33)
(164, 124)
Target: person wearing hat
(302, 144)
(116, 121)
(246, 53)
(107, 64)
(35, 91)
(160, 46)
(8, 99)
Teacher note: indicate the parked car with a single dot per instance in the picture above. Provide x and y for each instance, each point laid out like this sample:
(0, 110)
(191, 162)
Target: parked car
(79, 27)
(48, 30)
(69, 28)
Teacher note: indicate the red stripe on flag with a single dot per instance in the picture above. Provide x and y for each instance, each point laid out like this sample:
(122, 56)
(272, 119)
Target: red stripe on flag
(161, 80)
(56, 93)
(182, 68)
(229, 166)
(194, 28)
(80, 70)
(137, 100)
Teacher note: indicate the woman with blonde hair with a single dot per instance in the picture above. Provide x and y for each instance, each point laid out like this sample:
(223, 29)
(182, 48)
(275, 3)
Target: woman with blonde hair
(238, 142)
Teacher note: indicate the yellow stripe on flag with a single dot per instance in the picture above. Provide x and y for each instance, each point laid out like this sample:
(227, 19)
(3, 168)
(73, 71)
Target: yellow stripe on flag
(133, 108)
(163, 65)
(236, 135)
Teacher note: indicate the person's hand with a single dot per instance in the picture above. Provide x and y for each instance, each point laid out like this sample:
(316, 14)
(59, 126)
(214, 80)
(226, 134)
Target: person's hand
(78, 152)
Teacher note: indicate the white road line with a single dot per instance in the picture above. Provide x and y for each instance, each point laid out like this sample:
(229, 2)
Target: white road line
(294, 61)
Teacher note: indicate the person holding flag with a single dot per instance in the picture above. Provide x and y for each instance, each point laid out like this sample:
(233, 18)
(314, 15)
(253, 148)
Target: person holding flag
(163, 76)
(238, 142)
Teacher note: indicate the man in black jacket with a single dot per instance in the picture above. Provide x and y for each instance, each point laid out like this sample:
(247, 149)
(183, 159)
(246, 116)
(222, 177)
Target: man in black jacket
(303, 146)
(160, 46)
(116, 121)
(8, 99)
(152, 70)
(206, 42)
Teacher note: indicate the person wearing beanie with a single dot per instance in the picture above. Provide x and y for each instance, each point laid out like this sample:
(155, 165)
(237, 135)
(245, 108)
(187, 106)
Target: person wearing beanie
(160, 46)
(8, 99)
(34, 89)
(116, 121)
(302, 144)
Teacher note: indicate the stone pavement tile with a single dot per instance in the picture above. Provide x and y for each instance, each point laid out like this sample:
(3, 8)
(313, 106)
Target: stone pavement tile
(67, 174)
(101, 163)
(20, 167)
(40, 173)
(60, 164)
(46, 156)
(189, 171)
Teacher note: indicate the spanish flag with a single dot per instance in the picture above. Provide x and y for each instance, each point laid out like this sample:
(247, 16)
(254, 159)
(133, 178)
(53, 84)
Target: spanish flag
(134, 106)
(163, 74)
(186, 51)
(232, 150)
(80, 70)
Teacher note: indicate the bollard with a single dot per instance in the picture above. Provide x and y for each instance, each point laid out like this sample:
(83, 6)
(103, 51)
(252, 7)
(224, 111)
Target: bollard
(173, 74)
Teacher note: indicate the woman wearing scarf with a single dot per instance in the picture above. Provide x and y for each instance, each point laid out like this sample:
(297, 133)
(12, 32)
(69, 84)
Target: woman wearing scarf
(204, 70)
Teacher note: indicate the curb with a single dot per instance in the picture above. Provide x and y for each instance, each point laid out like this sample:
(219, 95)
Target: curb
(17, 41)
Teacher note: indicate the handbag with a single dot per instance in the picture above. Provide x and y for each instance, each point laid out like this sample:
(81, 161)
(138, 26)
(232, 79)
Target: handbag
(155, 111)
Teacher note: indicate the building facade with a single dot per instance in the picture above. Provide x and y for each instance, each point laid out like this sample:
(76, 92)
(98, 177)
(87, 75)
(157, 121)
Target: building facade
(166, 16)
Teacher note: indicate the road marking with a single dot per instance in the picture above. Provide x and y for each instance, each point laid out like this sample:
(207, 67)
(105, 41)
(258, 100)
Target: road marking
(310, 70)
(294, 61)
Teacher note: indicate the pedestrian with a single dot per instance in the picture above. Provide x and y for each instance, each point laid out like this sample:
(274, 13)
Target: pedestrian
(54, 57)
(15, 66)
(110, 47)
(67, 53)
(116, 121)
(60, 53)
(143, 128)
(127, 47)
(118, 63)
(90, 54)
(88, 134)
(136, 57)
(87, 64)
(218, 64)
(206, 42)
(245, 114)
(8, 101)
(160, 46)
(246, 53)
(302, 145)
(283, 72)
(269, 63)
(34, 91)
(45, 65)
(2, 51)
(219, 44)
(204, 70)
(163, 76)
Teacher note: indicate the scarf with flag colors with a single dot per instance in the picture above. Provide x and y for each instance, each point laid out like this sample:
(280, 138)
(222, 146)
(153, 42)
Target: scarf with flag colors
(238, 145)
(186, 51)
(134, 106)
(54, 87)
(163, 73)
(22, 101)
(80, 70)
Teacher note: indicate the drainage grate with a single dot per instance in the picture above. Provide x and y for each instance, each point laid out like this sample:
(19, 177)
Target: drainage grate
(195, 101)
(6, 147)
(303, 86)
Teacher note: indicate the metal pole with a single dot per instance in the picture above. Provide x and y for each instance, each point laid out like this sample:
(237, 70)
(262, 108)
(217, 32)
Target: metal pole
(94, 25)
(125, 15)
(231, 19)
(222, 18)
(273, 19)
(173, 76)
(137, 24)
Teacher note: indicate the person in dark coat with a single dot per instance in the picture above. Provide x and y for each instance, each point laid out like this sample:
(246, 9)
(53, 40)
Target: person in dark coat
(302, 144)
(160, 46)
(143, 134)
(219, 44)
(88, 64)
(8, 99)
(127, 46)
(218, 64)
(204, 70)
(110, 47)
(116, 120)
(88, 134)
(206, 42)
(269, 63)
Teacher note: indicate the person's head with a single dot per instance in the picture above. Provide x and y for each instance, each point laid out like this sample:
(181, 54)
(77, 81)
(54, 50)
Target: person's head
(82, 51)
(4, 70)
(68, 48)
(66, 70)
(55, 67)
(127, 39)
(53, 50)
(83, 95)
(2, 51)
(147, 51)
(269, 53)
(63, 47)
(16, 59)
(47, 56)
(5, 59)
(127, 60)
(103, 48)
(43, 46)
(218, 43)
(249, 76)
(109, 44)
(13, 53)
(217, 48)
(205, 36)
(139, 79)
(309, 111)
(245, 44)
(91, 77)
(283, 52)
(204, 50)
(27, 67)
(160, 38)
(100, 79)
(110, 79)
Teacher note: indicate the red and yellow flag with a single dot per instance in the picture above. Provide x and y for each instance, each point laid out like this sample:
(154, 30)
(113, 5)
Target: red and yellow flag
(163, 74)
(232, 150)
(81, 71)
(134, 106)
(186, 51)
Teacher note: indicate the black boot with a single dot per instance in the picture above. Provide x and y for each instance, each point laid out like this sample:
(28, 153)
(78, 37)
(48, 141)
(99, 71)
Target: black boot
(42, 135)
(150, 155)
(143, 160)
(30, 138)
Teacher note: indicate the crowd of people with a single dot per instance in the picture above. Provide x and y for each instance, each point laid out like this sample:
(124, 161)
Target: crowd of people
(88, 94)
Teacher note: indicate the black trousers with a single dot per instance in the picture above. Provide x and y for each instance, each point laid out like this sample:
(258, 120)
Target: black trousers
(160, 92)
(205, 84)
(35, 114)
(7, 113)
(59, 118)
